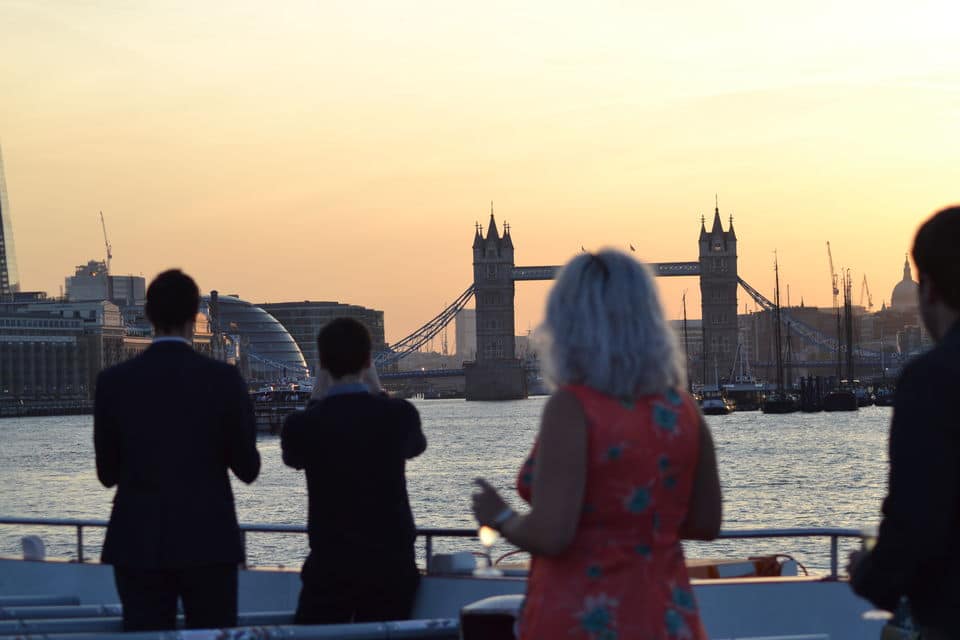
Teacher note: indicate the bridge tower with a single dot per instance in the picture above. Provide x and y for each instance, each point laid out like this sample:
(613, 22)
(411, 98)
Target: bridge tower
(718, 296)
(496, 374)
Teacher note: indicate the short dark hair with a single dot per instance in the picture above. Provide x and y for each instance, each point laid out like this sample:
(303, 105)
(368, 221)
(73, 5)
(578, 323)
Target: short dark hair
(344, 345)
(173, 300)
(936, 250)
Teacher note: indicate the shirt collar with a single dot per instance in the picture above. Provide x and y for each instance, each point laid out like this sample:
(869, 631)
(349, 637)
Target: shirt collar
(347, 387)
(172, 339)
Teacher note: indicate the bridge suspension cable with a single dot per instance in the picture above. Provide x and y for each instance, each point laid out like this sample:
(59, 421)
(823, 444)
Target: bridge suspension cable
(290, 368)
(806, 332)
(424, 334)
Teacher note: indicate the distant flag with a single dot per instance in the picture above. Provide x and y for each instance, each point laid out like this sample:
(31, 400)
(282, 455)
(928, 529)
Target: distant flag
(632, 249)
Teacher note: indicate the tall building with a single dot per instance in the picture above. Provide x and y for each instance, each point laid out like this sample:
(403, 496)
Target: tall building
(9, 276)
(91, 282)
(303, 320)
(718, 293)
(465, 323)
(88, 282)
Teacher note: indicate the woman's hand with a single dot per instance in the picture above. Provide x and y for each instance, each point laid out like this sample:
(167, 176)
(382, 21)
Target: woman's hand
(487, 503)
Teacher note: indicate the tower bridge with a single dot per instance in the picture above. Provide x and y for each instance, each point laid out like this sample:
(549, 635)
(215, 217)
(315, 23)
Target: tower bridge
(497, 374)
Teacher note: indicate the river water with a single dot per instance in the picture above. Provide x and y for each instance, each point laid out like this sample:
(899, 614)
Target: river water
(797, 470)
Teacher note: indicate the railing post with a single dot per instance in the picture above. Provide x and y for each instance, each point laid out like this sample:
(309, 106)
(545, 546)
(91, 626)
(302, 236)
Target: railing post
(834, 557)
(429, 550)
(243, 549)
(80, 543)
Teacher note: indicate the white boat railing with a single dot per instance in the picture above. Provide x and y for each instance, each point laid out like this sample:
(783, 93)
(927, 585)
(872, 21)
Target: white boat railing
(428, 534)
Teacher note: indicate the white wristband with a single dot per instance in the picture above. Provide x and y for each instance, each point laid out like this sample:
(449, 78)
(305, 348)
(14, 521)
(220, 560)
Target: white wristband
(501, 518)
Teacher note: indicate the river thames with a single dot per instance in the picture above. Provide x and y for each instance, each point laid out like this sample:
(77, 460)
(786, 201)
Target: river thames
(797, 470)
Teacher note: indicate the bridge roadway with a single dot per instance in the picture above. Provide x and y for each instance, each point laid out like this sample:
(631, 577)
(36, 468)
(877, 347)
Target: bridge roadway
(453, 373)
(660, 269)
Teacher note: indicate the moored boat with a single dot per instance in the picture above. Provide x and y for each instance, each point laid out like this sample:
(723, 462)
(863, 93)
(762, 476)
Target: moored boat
(716, 403)
(840, 400)
(779, 402)
(883, 397)
(272, 405)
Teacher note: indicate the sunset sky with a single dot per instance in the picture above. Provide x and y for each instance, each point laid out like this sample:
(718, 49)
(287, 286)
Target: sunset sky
(344, 150)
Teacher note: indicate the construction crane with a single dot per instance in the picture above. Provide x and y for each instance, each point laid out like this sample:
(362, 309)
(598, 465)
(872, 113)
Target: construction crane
(833, 279)
(106, 243)
(865, 288)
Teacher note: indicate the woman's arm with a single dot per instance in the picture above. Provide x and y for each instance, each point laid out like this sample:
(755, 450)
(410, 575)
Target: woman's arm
(559, 478)
(705, 510)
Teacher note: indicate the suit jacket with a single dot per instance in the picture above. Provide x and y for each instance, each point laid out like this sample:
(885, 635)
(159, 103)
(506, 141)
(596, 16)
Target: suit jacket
(354, 448)
(916, 552)
(167, 426)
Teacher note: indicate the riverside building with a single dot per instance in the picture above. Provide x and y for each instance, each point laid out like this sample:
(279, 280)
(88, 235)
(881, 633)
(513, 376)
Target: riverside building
(305, 319)
(92, 282)
(51, 352)
(267, 352)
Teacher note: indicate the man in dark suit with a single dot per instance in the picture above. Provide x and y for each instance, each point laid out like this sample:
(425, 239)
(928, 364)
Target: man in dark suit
(353, 444)
(168, 425)
(916, 552)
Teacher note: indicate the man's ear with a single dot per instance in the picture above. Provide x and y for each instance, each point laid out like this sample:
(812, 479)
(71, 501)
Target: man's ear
(926, 292)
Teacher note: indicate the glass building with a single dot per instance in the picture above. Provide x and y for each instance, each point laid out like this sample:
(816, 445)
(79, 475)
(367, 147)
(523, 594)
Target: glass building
(9, 277)
(305, 319)
(267, 351)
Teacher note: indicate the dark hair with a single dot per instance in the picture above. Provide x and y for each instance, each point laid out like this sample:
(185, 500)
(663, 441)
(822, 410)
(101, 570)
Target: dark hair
(936, 250)
(173, 300)
(344, 346)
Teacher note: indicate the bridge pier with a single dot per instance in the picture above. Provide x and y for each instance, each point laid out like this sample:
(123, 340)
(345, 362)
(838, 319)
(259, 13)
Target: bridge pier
(505, 380)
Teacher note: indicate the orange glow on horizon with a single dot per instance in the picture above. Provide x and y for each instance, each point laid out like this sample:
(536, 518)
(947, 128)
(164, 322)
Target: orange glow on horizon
(343, 151)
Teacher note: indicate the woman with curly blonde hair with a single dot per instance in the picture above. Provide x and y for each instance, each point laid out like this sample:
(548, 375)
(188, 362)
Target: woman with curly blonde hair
(623, 467)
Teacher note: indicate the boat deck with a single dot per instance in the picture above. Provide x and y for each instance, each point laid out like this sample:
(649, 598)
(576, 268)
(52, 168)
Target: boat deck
(61, 600)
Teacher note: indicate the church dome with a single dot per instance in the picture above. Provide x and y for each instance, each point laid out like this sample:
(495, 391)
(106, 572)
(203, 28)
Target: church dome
(904, 295)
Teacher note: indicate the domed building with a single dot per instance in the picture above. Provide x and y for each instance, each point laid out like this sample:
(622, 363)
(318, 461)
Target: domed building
(904, 296)
(268, 353)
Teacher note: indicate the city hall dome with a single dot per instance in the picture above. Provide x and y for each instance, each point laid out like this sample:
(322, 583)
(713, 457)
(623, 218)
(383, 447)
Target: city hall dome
(268, 351)
(904, 296)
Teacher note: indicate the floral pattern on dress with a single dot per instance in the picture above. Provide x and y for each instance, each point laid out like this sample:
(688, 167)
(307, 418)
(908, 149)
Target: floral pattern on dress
(598, 617)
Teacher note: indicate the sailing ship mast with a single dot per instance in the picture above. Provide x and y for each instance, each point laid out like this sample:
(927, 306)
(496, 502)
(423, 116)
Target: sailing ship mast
(848, 322)
(779, 337)
(686, 345)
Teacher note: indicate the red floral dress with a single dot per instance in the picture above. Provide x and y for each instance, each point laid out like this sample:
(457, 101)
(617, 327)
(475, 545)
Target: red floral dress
(623, 576)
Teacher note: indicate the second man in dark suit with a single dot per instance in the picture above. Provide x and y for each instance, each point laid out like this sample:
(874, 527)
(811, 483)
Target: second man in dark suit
(353, 444)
